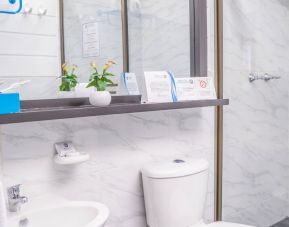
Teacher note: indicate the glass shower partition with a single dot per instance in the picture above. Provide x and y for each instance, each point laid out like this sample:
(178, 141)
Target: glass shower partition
(256, 72)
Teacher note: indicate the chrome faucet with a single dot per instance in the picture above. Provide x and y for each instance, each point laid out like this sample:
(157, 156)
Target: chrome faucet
(15, 201)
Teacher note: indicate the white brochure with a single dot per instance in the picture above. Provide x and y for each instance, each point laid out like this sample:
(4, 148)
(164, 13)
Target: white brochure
(90, 40)
(130, 84)
(160, 87)
(195, 88)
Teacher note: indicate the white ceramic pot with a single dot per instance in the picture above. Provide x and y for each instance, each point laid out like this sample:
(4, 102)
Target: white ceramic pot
(100, 98)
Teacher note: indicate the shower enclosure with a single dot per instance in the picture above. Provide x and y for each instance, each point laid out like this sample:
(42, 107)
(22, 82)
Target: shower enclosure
(256, 72)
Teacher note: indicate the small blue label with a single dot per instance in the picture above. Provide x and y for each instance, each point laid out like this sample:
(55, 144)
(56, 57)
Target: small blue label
(9, 103)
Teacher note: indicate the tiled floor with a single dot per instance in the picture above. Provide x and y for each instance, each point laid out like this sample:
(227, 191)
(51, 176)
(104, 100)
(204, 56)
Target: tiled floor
(283, 223)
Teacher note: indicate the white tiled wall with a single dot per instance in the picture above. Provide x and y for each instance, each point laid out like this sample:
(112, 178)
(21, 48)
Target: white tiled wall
(159, 39)
(256, 155)
(119, 146)
(108, 16)
(29, 47)
(256, 134)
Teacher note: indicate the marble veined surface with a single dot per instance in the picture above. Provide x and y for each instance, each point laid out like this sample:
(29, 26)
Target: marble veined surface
(256, 155)
(119, 146)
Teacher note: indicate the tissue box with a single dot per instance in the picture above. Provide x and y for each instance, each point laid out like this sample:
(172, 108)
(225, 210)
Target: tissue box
(9, 103)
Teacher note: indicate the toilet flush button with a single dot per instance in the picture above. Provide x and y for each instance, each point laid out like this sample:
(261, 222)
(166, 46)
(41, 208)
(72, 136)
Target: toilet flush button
(179, 161)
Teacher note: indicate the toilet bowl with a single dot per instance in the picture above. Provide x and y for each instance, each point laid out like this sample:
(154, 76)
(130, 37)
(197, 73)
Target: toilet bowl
(175, 194)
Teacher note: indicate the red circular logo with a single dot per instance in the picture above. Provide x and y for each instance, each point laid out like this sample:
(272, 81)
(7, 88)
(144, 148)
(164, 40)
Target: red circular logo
(203, 84)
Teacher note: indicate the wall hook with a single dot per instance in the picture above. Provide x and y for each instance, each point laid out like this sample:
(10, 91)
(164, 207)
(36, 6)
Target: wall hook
(42, 11)
(27, 9)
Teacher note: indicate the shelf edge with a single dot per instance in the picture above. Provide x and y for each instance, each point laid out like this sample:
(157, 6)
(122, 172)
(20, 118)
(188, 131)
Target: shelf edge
(88, 111)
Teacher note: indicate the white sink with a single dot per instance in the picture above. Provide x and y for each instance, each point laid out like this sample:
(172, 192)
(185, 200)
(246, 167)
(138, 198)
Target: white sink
(71, 214)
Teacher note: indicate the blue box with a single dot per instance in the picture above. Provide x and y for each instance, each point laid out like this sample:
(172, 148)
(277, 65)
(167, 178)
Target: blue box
(9, 103)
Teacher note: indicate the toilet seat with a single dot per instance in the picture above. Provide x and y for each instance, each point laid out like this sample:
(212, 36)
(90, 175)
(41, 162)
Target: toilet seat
(226, 224)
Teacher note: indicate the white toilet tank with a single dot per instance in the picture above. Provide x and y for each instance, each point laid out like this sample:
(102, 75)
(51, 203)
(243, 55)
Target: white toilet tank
(175, 192)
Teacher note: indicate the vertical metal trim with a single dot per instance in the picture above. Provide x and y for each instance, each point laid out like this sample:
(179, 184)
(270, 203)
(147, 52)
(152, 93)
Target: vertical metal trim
(192, 38)
(125, 35)
(219, 109)
(61, 27)
(199, 37)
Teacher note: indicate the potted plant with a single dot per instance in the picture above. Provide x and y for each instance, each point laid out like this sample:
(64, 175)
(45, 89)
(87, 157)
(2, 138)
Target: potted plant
(68, 81)
(100, 97)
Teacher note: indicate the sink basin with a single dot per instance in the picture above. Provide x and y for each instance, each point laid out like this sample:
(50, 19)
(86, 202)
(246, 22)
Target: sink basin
(71, 214)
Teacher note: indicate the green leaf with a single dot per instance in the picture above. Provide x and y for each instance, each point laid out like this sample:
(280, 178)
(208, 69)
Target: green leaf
(91, 84)
(107, 80)
(101, 85)
(69, 81)
(109, 74)
(62, 87)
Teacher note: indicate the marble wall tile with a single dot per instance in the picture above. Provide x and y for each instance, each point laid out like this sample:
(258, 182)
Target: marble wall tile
(165, 37)
(108, 16)
(256, 156)
(118, 145)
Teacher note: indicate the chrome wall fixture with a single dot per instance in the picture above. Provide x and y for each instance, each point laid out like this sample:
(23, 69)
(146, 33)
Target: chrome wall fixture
(266, 77)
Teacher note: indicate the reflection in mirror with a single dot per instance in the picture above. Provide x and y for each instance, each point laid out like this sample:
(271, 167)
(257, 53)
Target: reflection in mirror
(93, 33)
(160, 38)
(30, 50)
(164, 35)
(168, 35)
(80, 32)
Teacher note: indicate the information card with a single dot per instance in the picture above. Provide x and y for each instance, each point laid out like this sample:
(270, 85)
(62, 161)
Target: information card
(195, 88)
(159, 87)
(90, 39)
(130, 84)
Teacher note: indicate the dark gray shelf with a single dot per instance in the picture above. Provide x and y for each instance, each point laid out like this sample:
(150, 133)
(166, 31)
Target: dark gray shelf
(41, 110)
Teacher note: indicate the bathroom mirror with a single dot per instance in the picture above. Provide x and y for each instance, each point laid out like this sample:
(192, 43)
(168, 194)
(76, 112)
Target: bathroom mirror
(92, 32)
(167, 35)
(139, 35)
(30, 49)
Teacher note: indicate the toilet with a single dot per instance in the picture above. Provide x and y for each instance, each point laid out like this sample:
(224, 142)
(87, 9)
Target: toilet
(175, 194)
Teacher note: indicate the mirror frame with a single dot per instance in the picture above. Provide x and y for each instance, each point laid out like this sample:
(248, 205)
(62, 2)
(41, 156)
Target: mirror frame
(198, 36)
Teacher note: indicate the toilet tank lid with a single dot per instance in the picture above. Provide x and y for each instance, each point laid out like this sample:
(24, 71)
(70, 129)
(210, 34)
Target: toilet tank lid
(175, 168)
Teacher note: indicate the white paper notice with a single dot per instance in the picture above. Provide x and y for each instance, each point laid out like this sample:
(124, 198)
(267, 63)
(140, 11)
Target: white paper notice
(195, 88)
(158, 85)
(130, 84)
(90, 38)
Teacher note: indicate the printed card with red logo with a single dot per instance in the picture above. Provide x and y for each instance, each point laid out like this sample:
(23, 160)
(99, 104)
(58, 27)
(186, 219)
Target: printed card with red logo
(195, 88)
